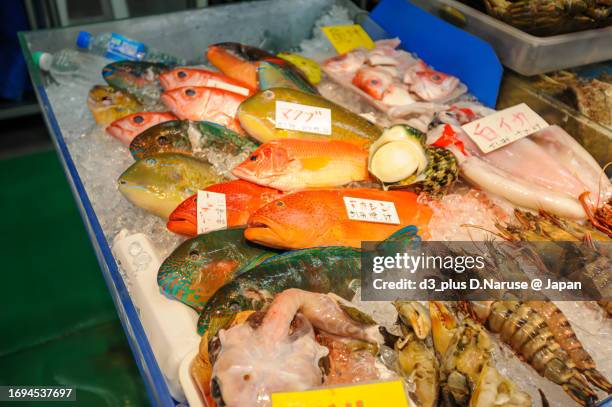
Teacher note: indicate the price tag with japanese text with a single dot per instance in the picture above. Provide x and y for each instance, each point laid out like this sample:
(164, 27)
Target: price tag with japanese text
(382, 394)
(345, 38)
(504, 127)
(368, 210)
(294, 116)
(211, 211)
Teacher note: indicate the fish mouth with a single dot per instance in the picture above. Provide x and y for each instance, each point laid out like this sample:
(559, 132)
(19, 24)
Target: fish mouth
(164, 80)
(168, 100)
(182, 223)
(262, 230)
(181, 226)
(246, 175)
(113, 130)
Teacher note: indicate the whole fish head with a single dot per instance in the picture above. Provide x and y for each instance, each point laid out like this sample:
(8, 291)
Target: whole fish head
(183, 219)
(373, 81)
(108, 104)
(433, 85)
(257, 114)
(265, 164)
(159, 183)
(170, 136)
(290, 222)
(204, 103)
(133, 74)
(233, 298)
(178, 78)
(128, 127)
(186, 102)
(204, 262)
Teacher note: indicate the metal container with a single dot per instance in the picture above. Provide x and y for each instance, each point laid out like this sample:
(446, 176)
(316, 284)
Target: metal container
(522, 52)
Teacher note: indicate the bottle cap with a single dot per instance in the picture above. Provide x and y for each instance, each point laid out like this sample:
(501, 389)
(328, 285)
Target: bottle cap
(42, 60)
(83, 39)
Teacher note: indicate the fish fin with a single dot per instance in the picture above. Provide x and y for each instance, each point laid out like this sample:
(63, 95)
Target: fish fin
(405, 235)
(409, 232)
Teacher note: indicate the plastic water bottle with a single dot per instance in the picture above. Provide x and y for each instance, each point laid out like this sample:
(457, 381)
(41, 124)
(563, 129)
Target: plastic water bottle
(69, 66)
(117, 47)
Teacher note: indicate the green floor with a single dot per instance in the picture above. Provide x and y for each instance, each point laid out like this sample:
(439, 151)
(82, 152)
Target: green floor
(58, 325)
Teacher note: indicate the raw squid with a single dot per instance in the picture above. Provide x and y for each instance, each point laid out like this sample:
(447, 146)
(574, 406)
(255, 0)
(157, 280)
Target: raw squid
(518, 191)
(282, 353)
(548, 171)
(527, 160)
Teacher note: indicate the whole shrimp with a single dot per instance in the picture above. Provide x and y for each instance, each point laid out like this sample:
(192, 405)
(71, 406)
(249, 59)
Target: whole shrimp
(529, 334)
(566, 337)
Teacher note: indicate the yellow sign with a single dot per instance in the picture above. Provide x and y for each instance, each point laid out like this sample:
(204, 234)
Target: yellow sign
(383, 394)
(310, 68)
(346, 38)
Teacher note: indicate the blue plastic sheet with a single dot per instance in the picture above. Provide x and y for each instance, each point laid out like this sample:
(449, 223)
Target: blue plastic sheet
(443, 46)
(13, 71)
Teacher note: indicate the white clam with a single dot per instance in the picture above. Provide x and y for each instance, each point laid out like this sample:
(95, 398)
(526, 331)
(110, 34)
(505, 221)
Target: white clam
(396, 156)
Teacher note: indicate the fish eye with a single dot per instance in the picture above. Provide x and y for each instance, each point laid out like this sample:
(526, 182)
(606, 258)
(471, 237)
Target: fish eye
(246, 377)
(151, 160)
(138, 119)
(106, 98)
(190, 92)
(268, 94)
(280, 203)
(234, 307)
(374, 81)
(181, 74)
(162, 140)
(253, 157)
(435, 77)
(194, 254)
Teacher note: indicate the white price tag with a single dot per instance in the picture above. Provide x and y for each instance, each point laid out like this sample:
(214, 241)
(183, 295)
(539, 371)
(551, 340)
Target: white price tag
(368, 210)
(211, 211)
(504, 127)
(293, 116)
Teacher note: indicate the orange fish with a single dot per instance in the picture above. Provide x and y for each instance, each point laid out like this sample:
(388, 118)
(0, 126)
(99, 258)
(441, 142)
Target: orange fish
(181, 77)
(238, 61)
(242, 198)
(128, 127)
(291, 164)
(201, 103)
(321, 218)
